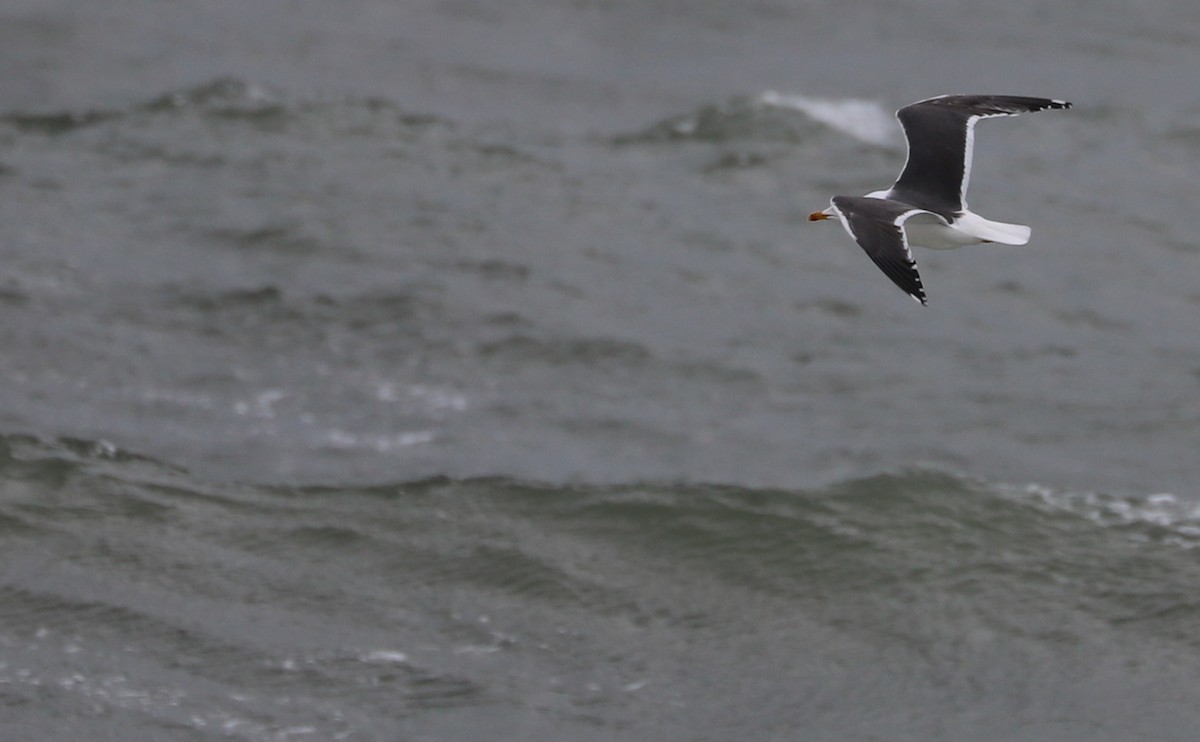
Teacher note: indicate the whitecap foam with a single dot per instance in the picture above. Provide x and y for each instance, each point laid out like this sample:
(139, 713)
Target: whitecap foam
(343, 439)
(865, 120)
(384, 657)
(1178, 518)
(262, 406)
(431, 398)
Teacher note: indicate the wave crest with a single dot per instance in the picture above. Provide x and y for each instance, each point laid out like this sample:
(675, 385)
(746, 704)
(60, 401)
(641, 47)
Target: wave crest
(772, 117)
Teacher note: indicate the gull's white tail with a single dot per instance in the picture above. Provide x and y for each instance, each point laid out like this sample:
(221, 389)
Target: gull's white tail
(986, 229)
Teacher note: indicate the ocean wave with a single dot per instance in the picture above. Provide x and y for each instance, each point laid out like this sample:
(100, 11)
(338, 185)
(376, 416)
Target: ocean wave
(886, 504)
(891, 536)
(123, 574)
(772, 117)
(865, 120)
(1160, 516)
(222, 98)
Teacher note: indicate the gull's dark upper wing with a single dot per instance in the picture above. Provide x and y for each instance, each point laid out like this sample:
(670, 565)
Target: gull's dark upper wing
(941, 137)
(876, 224)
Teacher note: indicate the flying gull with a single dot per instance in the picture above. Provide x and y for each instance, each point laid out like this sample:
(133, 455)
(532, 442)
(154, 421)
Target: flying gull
(927, 205)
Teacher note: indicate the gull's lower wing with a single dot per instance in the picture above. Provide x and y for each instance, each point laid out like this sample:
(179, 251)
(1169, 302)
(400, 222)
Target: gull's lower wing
(876, 224)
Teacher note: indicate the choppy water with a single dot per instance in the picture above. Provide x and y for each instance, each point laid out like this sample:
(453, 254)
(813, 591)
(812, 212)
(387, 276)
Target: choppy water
(452, 371)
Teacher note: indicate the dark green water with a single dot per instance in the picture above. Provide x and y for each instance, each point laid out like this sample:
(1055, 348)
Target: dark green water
(443, 371)
(137, 600)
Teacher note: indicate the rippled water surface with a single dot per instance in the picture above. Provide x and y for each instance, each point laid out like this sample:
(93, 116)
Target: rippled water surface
(443, 370)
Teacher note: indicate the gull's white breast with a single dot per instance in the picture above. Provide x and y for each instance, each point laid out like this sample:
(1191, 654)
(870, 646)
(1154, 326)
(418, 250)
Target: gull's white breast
(932, 231)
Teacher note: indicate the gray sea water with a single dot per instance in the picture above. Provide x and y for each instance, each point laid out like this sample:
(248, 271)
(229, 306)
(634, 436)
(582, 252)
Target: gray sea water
(462, 370)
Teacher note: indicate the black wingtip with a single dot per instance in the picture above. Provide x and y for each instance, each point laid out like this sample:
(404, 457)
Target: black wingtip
(919, 294)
